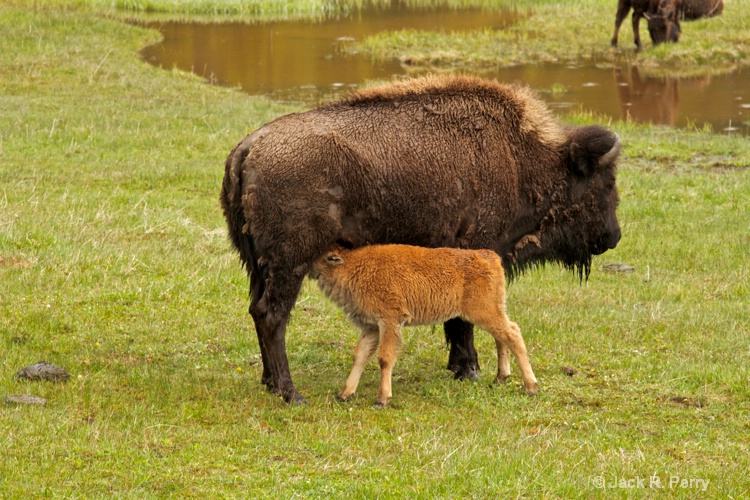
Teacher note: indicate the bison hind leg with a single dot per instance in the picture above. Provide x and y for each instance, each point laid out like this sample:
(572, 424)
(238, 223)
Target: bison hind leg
(256, 293)
(270, 312)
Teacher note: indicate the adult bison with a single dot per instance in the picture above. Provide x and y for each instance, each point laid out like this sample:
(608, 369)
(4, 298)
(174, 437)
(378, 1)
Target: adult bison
(434, 162)
(663, 17)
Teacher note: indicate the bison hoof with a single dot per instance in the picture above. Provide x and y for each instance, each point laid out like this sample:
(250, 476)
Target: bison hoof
(465, 374)
(295, 399)
(291, 396)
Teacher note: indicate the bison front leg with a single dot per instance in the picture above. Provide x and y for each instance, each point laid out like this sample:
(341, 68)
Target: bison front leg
(462, 360)
(623, 7)
(368, 342)
(636, 30)
(271, 314)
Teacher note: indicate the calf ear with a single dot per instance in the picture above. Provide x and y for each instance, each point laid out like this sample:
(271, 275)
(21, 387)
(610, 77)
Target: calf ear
(334, 260)
(593, 147)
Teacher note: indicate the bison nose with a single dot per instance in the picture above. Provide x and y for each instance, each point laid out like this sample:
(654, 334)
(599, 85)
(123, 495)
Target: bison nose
(607, 242)
(610, 240)
(614, 238)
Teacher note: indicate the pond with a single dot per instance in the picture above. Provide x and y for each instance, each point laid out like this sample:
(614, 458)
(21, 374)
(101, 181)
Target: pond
(304, 62)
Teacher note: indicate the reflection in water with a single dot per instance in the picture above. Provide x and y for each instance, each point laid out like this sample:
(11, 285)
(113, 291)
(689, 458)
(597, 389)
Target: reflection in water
(654, 100)
(303, 61)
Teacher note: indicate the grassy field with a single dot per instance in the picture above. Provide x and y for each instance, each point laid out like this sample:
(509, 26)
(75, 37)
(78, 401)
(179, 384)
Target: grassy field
(114, 264)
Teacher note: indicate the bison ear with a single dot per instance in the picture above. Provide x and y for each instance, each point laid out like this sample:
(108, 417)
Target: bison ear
(593, 148)
(334, 260)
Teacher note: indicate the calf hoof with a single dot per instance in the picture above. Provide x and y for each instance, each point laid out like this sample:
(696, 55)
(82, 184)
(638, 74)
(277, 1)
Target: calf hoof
(501, 379)
(531, 390)
(380, 404)
(341, 398)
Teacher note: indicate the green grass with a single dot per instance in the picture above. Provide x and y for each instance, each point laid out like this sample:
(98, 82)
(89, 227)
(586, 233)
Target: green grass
(114, 264)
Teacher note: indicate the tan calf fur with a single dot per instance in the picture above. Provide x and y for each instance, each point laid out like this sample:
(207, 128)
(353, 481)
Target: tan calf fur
(384, 287)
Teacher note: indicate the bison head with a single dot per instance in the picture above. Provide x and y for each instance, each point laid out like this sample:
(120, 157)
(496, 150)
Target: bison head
(580, 218)
(664, 24)
(588, 225)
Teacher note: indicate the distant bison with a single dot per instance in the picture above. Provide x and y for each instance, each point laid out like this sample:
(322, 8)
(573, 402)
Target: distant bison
(385, 287)
(434, 162)
(663, 17)
(691, 10)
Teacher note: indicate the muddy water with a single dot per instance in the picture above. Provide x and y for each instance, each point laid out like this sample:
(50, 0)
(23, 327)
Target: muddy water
(307, 62)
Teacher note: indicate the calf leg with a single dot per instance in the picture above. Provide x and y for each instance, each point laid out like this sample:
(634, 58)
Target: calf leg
(462, 360)
(270, 314)
(508, 336)
(503, 362)
(390, 342)
(368, 342)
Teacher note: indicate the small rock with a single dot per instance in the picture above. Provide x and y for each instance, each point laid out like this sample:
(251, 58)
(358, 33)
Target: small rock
(42, 371)
(569, 371)
(25, 399)
(616, 267)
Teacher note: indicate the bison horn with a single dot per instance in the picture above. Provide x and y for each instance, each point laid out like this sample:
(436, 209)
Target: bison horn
(610, 156)
(592, 148)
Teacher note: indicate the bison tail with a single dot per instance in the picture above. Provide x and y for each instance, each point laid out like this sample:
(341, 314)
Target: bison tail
(231, 203)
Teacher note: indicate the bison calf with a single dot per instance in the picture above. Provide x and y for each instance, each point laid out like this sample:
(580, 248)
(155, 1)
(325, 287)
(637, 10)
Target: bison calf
(384, 287)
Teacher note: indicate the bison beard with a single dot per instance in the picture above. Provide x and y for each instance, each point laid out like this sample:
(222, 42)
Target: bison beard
(435, 162)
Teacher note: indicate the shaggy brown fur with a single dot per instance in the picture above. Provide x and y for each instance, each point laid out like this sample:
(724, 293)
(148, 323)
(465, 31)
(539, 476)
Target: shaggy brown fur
(432, 162)
(385, 287)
